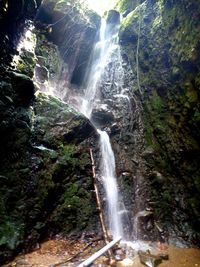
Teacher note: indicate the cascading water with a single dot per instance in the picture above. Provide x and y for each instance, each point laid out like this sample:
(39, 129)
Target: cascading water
(94, 75)
(110, 184)
(101, 57)
(100, 75)
(102, 51)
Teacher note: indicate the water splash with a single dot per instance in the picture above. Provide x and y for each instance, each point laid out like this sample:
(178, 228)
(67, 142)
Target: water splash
(110, 184)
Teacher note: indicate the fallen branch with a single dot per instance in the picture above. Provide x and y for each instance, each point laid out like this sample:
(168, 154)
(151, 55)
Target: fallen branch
(99, 206)
(99, 253)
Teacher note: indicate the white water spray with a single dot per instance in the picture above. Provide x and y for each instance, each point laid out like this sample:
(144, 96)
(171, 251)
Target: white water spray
(110, 184)
(101, 57)
(102, 52)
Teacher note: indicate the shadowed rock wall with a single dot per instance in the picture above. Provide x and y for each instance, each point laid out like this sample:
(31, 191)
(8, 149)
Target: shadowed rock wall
(45, 170)
(168, 71)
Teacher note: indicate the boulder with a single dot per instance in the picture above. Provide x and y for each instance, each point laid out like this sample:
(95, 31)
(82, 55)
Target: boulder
(148, 259)
(41, 73)
(113, 17)
(66, 20)
(23, 87)
(101, 115)
(60, 123)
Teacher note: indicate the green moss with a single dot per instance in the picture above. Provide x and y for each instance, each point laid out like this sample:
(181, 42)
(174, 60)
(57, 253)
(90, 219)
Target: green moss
(156, 103)
(11, 233)
(26, 67)
(45, 184)
(69, 157)
(124, 6)
(197, 115)
(169, 76)
(154, 106)
(192, 96)
(156, 24)
(181, 30)
(75, 205)
(48, 105)
(132, 19)
(149, 135)
(49, 54)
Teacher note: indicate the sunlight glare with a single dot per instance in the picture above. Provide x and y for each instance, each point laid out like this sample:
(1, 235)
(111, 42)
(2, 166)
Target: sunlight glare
(100, 6)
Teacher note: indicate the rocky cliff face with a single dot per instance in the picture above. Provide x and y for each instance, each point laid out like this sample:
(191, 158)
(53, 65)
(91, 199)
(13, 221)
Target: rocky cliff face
(74, 30)
(45, 173)
(13, 17)
(152, 118)
(159, 39)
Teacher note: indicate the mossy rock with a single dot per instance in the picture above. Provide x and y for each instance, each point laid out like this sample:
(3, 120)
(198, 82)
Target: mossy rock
(59, 122)
(168, 76)
(24, 89)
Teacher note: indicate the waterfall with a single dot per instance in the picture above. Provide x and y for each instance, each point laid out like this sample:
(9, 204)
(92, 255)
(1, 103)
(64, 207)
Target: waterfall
(105, 79)
(103, 49)
(95, 72)
(110, 184)
(101, 54)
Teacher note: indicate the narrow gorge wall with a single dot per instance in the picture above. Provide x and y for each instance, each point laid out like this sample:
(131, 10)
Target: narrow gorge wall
(164, 37)
(151, 113)
(45, 170)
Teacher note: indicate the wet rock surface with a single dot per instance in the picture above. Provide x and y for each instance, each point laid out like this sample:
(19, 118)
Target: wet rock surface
(13, 15)
(45, 172)
(168, 94)
(60, 20)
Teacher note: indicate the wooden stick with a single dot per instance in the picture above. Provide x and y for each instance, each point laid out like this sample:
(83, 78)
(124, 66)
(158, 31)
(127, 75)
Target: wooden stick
(99, 253)
(99, 206)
